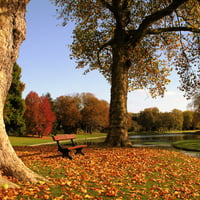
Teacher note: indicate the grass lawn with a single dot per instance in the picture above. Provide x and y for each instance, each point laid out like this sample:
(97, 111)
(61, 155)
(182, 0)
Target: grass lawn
(156, 143)
(192, 145)
(25, 141)
(162, 132)
(109, 173)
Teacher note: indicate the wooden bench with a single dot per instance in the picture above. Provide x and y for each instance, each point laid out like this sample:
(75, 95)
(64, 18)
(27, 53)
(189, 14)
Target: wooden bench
(65, 150)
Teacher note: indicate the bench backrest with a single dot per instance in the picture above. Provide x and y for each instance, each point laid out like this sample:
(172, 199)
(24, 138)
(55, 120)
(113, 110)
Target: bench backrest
(64, 137)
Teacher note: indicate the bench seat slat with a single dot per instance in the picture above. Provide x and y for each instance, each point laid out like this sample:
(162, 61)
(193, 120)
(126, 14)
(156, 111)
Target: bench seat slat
(77, 147)
(64, 137)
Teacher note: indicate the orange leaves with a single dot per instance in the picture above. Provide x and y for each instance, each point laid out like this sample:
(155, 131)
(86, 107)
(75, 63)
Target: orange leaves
(109, 173)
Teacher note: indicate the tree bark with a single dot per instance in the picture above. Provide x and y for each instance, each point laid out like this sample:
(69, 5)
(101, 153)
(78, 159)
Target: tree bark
(118, 133)
(12, 33)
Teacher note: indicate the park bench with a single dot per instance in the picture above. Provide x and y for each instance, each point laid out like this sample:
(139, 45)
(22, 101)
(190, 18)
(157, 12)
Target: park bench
(65, 150)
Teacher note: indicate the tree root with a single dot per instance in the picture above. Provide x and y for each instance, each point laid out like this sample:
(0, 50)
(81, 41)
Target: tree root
(4, 183)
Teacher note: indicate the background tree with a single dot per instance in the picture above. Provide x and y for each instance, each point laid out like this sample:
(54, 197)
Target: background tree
(166, 121)
(12, 31)
(95, 113)
(31, 114)
(67, 113)
(135, 126)
(38, 115)
(15, 105)
(196, 120)
(188, 120)
(52, 102)
(50, 99)
(177, 119)
(149, 119)
(195, 106)
(195, 103)
(46, 117)
(129, 42)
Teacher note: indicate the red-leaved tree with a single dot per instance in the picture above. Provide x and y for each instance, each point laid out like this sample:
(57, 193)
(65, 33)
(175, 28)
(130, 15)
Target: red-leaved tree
(38, 115)
(46, 116)
(31, 114)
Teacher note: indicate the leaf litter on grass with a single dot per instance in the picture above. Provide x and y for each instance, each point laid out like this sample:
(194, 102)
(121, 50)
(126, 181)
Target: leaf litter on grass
(109, 173)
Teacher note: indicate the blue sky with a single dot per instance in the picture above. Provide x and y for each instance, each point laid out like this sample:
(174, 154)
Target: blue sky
(46, 65)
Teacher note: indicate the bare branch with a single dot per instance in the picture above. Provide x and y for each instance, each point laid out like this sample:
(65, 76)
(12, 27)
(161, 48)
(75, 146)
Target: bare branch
(108, 43)
(138, 34)
(107, 5)
(160, 14)
(172, 29)
(114, 9)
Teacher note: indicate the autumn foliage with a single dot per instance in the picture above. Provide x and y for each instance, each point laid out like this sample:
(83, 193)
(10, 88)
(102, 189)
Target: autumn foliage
(109, 173)
(38, 116)
(83, 111)
(67, 112)
(95, 113)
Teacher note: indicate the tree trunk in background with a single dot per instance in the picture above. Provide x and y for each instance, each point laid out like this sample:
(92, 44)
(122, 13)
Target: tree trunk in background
(118, 133)
(12, 33)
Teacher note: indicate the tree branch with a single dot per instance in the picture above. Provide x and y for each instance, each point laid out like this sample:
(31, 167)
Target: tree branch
(107, 5)
(138, 34)
(172, 29)
(113, 8)
(160, 14)
(108, 43)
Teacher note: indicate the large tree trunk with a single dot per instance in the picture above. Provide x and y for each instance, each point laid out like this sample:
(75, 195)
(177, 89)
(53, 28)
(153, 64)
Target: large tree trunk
(12, 33)
(118, 133)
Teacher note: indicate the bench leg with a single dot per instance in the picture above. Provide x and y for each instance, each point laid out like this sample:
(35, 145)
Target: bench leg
(66, 154)
(79, 151)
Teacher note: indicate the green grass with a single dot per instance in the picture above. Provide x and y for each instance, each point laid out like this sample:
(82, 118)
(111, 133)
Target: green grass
(25, 141)
(162, 132)
(191, 145)
(156, 143)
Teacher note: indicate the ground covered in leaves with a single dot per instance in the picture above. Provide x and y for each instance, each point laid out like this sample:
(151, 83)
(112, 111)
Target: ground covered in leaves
(109, 173)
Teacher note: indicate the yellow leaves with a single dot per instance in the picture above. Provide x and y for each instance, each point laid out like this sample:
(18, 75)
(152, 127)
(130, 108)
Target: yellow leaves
(83, 190)
(4, 186)
(42, 182)
(119, 184)
(87, 196)
(68, 183)
(59, 198)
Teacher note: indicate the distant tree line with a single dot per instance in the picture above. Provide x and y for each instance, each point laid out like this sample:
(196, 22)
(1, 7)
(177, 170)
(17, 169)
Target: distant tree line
(151, 119)
(68, 114)
(82, 112)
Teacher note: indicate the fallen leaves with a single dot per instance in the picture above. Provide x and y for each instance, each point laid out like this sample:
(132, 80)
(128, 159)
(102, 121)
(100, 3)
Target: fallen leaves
(109, 173)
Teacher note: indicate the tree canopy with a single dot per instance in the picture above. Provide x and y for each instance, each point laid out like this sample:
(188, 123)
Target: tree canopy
(158, 35)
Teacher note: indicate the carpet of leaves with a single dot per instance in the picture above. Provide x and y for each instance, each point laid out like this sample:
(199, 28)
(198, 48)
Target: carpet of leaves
(109, 173)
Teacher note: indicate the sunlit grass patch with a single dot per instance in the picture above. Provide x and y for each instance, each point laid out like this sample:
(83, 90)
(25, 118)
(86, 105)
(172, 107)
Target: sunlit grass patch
(192, 145)
(24, 141)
